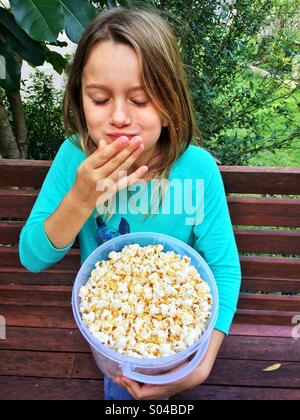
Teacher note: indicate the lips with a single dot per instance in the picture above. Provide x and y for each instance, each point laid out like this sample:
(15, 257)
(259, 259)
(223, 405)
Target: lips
(115, 136)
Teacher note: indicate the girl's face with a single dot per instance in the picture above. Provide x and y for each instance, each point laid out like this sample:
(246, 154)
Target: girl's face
(114, 103)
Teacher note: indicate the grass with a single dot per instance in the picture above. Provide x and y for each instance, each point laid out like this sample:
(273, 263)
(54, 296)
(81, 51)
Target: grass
(287, 156)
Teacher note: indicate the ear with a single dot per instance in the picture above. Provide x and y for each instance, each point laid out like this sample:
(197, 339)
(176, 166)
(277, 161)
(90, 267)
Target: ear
(164, 123)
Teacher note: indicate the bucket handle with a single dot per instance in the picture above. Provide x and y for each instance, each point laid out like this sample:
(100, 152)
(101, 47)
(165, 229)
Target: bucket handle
(168, 377)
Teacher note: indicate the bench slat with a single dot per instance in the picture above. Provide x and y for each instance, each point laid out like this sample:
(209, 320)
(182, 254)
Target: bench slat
(261, 284)
(62, 317)
(225, 372)
(10, 233)
(9, 257)
(63, 340)
(261, 180)
(260, 211)
(232, 393)
(38, 316)
(40, 364)
(270, 267)
(268, 241)
(16, 204)
(19, 275)
(251, 265)
(259, 273)
(12, 388)
(245, 211)
(261, 348)
(254, 330)
(248, 240)
(250, 373)
(35, 295)
(71, 340)
(24, 295)
(277, 302)
(237, 179)
(265, 317)
(23, 173)
(44, 339)
(20, 388)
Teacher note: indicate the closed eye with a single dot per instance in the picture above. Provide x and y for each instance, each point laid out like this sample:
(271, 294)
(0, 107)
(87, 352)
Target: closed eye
(103, 102)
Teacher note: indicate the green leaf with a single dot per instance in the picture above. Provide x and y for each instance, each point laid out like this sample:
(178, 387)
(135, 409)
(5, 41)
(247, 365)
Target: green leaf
(57, 60)
(78, 15)
(41, 19)
(12, 74)
(18, 40)
(58, 43)
(273, 367)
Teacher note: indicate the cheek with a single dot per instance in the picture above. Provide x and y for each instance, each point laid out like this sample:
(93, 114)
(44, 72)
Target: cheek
(93, 115)
(152, 124)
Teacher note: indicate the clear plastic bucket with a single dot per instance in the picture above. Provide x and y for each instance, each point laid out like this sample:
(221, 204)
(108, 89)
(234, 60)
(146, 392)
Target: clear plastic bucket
(151, 371)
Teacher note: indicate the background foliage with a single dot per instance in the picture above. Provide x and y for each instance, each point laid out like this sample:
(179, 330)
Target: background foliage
(44, 117)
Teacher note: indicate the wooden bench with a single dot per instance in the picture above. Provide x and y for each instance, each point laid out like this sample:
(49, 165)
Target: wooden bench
(44, 355)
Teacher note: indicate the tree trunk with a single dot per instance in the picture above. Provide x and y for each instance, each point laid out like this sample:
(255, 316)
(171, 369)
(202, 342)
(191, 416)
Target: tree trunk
(8, 145)
(19, 127)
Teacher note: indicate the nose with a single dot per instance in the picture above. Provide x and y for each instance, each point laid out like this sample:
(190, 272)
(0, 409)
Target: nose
(120, 115)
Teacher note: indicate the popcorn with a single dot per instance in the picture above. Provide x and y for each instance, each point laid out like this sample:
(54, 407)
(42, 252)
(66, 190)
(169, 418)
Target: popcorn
(144, 302)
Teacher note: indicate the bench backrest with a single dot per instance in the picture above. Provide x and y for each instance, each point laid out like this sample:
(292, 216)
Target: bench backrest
(265, 217)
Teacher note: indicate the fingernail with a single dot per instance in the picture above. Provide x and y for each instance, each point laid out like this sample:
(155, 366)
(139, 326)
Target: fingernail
(138, 140)
(123, 140)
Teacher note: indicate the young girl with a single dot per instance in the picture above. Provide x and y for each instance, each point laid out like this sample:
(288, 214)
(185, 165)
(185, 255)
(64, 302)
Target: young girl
(132, 122)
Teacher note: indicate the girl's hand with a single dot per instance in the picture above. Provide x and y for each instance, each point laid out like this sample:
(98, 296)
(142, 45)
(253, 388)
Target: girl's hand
(197, 377)
(155, 392)
(104, 165)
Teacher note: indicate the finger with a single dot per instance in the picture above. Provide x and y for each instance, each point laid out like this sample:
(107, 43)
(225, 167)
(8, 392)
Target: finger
(126, 164)
(133, 387)
(118, 161)
(131, 179)
(144, 391)
(105, 153)
(152, 392)
(109, 189)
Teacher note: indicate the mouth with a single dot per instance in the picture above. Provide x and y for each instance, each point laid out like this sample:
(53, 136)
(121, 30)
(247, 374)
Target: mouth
(117, 136)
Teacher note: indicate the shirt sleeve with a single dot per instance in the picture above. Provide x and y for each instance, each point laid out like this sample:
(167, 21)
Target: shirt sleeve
(215, 241)
(36, 252)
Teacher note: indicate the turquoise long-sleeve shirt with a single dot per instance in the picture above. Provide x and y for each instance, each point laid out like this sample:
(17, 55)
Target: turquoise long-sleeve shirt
(197, 215)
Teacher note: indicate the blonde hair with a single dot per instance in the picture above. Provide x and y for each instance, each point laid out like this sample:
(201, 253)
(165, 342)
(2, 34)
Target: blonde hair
(162, 77)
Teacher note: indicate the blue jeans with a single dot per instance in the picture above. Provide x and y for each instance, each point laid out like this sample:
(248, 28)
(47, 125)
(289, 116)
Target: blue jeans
(113, 391)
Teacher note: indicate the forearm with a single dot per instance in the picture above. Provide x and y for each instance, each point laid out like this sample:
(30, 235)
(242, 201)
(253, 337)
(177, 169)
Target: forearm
(203, 370)
(64, 224)
(216, 341)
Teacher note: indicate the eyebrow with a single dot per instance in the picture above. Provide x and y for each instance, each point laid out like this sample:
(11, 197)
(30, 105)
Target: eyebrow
(103, 87)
